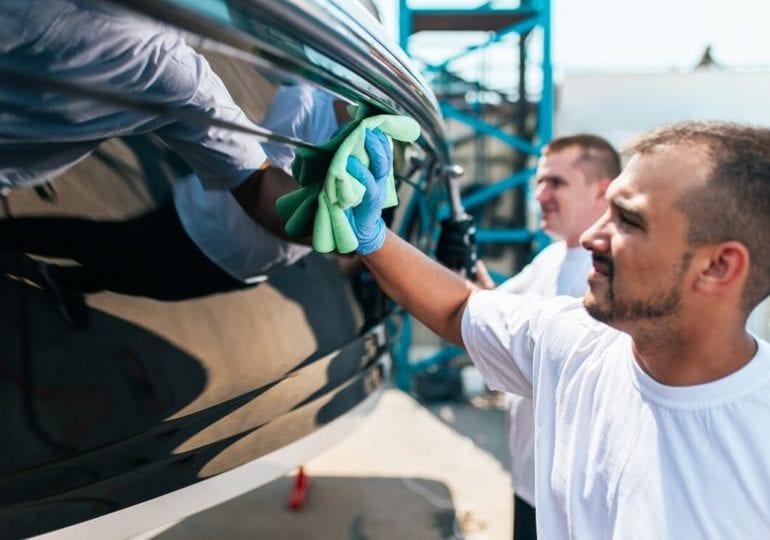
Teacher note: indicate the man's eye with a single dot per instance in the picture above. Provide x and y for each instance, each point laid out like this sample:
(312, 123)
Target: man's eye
(627, 222)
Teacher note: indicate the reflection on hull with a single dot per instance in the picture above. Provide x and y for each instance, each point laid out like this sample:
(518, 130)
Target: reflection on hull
(114, 399)
(155, 396)
(205, 494)
(142, 415)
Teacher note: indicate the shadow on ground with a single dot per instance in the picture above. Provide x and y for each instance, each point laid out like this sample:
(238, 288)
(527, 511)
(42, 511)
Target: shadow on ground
(473, 420)
(339, 509)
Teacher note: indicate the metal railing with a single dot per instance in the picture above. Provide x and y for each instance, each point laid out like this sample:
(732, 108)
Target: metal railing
(336, 44)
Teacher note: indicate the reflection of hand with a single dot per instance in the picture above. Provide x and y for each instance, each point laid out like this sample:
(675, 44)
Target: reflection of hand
(366, 218)
(456, 247)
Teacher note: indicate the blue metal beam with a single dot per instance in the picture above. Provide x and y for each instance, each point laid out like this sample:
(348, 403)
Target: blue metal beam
(484, 8)
(504, 236)
(450, 111)
(535, 14)
(489, 192)
(517, 28)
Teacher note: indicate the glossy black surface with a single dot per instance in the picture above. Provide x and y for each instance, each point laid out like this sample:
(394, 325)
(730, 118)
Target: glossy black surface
(153, 396)
(150, 396)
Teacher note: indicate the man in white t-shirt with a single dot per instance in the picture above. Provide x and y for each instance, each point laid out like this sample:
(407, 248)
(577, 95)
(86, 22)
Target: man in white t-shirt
(44, 131)
(231, 232)
(571, 181)
(651, 399)
(200, 243)
(218, 225)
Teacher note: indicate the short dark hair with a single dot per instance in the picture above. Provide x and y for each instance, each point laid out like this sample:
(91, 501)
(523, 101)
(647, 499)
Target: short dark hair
(599, 159)
(734, 204)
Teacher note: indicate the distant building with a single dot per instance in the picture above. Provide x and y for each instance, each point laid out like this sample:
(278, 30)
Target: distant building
(707, 60)
(621, 105)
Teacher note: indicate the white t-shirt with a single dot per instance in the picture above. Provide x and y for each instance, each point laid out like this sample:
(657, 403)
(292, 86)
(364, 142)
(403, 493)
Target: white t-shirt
(619, 455)
(43, 132)
(302, 112)
(216, 222)
(556, 270)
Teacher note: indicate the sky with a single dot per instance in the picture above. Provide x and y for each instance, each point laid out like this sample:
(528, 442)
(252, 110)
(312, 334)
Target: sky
(627, 35)
(659, 34)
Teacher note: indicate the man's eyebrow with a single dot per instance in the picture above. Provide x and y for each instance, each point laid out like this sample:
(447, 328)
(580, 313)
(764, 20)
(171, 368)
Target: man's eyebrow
(628, 210)
(549, 178)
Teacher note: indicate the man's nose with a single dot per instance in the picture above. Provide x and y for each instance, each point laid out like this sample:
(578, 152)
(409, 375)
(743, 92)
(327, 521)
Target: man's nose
(596, 237)
(542, 193)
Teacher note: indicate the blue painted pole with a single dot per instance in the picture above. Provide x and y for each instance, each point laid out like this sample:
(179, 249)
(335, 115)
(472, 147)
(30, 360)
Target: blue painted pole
(545, 109)
(404, 24)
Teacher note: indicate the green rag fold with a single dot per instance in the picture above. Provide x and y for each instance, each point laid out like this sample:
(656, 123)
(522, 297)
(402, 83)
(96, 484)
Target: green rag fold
(322, 200)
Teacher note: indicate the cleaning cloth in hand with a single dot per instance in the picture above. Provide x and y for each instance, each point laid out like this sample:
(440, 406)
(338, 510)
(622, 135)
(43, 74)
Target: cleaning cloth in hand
(323, 200)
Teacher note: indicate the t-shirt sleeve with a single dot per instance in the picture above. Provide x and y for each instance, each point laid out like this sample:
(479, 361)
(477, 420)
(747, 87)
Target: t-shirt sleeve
(535, 276)
(502, 333)
(288, 114)
(221, 157)
(519, 283)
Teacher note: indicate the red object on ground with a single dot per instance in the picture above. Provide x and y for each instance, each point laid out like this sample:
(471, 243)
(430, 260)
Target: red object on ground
(300, 490)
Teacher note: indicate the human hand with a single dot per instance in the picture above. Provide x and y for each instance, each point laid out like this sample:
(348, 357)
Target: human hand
(366, 218)
(456, 247)
(483, 279)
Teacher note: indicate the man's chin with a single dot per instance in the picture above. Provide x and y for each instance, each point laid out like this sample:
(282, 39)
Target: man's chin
(595, 309)
(551, 228)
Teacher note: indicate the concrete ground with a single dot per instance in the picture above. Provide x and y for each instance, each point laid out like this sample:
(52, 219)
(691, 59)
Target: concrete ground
(410, 471)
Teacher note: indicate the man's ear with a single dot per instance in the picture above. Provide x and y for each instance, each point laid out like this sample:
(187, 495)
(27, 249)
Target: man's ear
(601, 190)
(723, 266)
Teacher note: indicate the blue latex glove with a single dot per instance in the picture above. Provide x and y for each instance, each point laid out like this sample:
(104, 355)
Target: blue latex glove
(366, 218)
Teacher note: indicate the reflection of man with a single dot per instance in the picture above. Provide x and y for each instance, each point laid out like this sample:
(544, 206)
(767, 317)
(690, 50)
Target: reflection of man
(650, 396)
(200, 243)
(218, 225)
(43, 132)
(572, 177)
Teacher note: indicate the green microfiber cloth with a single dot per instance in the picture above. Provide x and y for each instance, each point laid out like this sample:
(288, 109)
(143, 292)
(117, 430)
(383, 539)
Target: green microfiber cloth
(323, 201)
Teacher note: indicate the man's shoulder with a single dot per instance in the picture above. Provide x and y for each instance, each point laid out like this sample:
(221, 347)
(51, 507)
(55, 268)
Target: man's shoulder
(539, 311)
(292, 96)
(564, 318)
(558, 255)
(553, 250)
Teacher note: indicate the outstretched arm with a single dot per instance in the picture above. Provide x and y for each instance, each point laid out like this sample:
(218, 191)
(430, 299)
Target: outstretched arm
(432, 293)
(257, 196)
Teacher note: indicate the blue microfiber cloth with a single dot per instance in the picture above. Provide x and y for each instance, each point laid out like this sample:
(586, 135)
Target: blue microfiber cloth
(323, 202)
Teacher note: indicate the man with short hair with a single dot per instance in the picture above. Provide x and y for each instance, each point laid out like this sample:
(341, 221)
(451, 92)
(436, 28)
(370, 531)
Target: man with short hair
(197, 243)
(651, 399)
(45, 131)
(220, 233)
(572, 177)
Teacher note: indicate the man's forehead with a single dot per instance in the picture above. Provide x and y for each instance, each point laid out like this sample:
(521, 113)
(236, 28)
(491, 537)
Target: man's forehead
(569, 154)
(561, 160)
(655, 180)
(624, 188)
(673, 168)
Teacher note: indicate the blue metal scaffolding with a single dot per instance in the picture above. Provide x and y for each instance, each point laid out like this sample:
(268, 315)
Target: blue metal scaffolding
(520, 118)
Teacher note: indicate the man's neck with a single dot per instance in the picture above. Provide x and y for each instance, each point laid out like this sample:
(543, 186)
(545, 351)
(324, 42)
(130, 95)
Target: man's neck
(571, 245)
(679, 359)
(572, 241)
